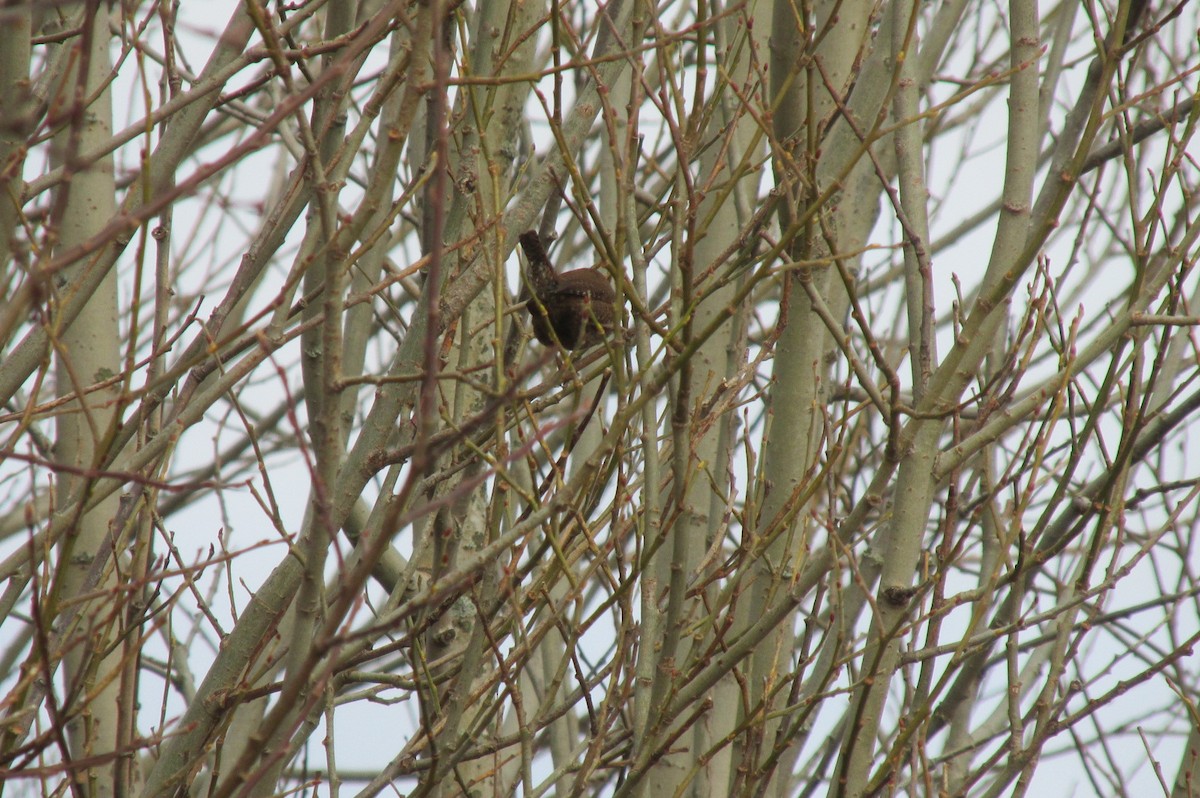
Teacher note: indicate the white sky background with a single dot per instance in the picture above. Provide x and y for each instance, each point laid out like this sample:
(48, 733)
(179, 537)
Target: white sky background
(367, 733)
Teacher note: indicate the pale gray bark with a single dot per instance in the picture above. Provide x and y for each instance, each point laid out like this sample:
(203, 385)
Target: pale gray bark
(882, 485)
(85, 352)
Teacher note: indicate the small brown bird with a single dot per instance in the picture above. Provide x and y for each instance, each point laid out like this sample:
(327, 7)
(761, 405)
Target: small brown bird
(573, 309)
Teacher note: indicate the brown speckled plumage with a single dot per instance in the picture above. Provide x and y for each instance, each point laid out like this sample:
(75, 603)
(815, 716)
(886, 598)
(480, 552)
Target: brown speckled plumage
(574, 309)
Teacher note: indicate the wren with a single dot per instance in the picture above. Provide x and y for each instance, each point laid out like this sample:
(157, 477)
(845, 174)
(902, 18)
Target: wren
(573, 309)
